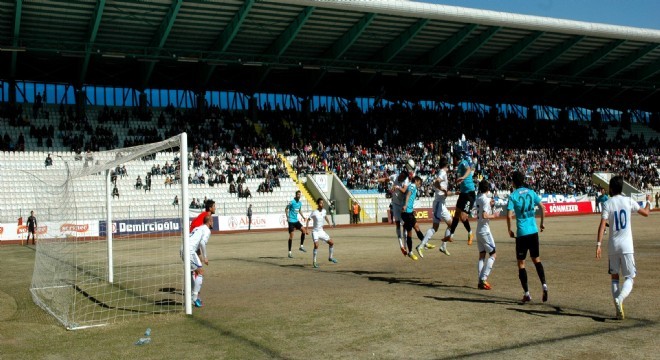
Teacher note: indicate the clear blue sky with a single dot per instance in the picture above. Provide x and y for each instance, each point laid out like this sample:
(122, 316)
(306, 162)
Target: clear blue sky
(635, 13)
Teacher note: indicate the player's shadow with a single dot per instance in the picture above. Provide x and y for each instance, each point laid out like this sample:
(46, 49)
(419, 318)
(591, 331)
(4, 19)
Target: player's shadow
(557, 311)
(472, 300)
(415, 282)
(362, 272)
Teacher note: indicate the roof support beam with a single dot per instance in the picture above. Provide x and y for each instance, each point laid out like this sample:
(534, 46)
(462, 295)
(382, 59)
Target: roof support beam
(441, 51)
(160, 37)
(285, 39)
(505, 57)
(588, 61)
(16, 31)
(93, 30)
(464, 52)
(647, 71)
(624, 63)
(349, 38)
(400, 42)
(226, 37)
(279, 46)
(546, 59)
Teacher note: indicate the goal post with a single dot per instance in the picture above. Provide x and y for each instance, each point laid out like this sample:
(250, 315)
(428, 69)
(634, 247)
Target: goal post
(109, 250)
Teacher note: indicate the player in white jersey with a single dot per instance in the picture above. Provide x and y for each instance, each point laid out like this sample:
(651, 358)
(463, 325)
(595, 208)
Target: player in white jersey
(485, 241)
(197, 241)
(318, 216)
(617, 211)
(440, 211)
(399, 185)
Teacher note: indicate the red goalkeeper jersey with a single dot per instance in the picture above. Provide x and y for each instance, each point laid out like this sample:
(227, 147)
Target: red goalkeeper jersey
(199, 220)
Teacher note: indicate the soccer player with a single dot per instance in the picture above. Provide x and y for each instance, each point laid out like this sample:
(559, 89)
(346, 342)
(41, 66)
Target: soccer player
(209, 209)
(440, 211)
(292, 210)
(398, 190)
(197, 244)
(409, 220)
(522, 202)
(465, 198)
(318, 216)
(32, 228)
(485, 241)
(620, 250)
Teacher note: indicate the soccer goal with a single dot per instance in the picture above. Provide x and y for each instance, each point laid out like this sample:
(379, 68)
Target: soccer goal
(108, 248)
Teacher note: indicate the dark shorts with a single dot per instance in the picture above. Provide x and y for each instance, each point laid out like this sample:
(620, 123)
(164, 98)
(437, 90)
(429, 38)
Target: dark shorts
(31, 230)
(527, 243)
(409, 220)
(295, 226)
(465, 202)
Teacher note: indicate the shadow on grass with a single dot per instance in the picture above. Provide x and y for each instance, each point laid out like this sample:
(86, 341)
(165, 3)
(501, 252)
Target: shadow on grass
(239, 338)
(557, 311)
(415, 282)
(473, 300)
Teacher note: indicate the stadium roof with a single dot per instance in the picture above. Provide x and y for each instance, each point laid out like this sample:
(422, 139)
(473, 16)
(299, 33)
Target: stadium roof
(395, 49)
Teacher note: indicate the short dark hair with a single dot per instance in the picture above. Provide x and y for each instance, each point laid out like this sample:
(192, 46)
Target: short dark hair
(417, 178)
(443, 162)
(616, 185)
(518, 179)
(319, 200)
(484, 186)
(402, 176)
(209, 204)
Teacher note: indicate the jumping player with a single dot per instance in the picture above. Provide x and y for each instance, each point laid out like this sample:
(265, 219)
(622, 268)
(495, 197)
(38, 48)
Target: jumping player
(440, 211)
(292, 210)
(409, 220)
(465, 198)
(621, 253)
(399, 185)
(318, 216)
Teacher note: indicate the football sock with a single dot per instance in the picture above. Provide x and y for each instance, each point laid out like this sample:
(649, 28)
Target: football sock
(332, 251)
(314, 252)
(466, 223)
(290, 241)
(302, 239)
(420, 236)
(626, 288)
(409, 242)
(398, 231)
(540, 271)
(480, 267)
(427, 237)
(198, 286)
(488, 268)
(454, 224)
(522, 275)
(615, 288)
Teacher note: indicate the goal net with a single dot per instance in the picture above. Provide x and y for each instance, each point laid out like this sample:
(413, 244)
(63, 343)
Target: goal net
(108, 249)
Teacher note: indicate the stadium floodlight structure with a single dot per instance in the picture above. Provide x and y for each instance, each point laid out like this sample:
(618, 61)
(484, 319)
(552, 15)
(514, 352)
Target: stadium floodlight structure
(101, 259)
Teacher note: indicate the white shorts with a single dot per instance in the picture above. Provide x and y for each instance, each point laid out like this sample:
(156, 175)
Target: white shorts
(396, 212)
(320, 235)
(485, 242)
(623, 264)
(440, 212)
(195, 263)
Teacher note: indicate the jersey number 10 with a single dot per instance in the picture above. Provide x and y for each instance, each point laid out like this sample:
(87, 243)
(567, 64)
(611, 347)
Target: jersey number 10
(620, 220)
